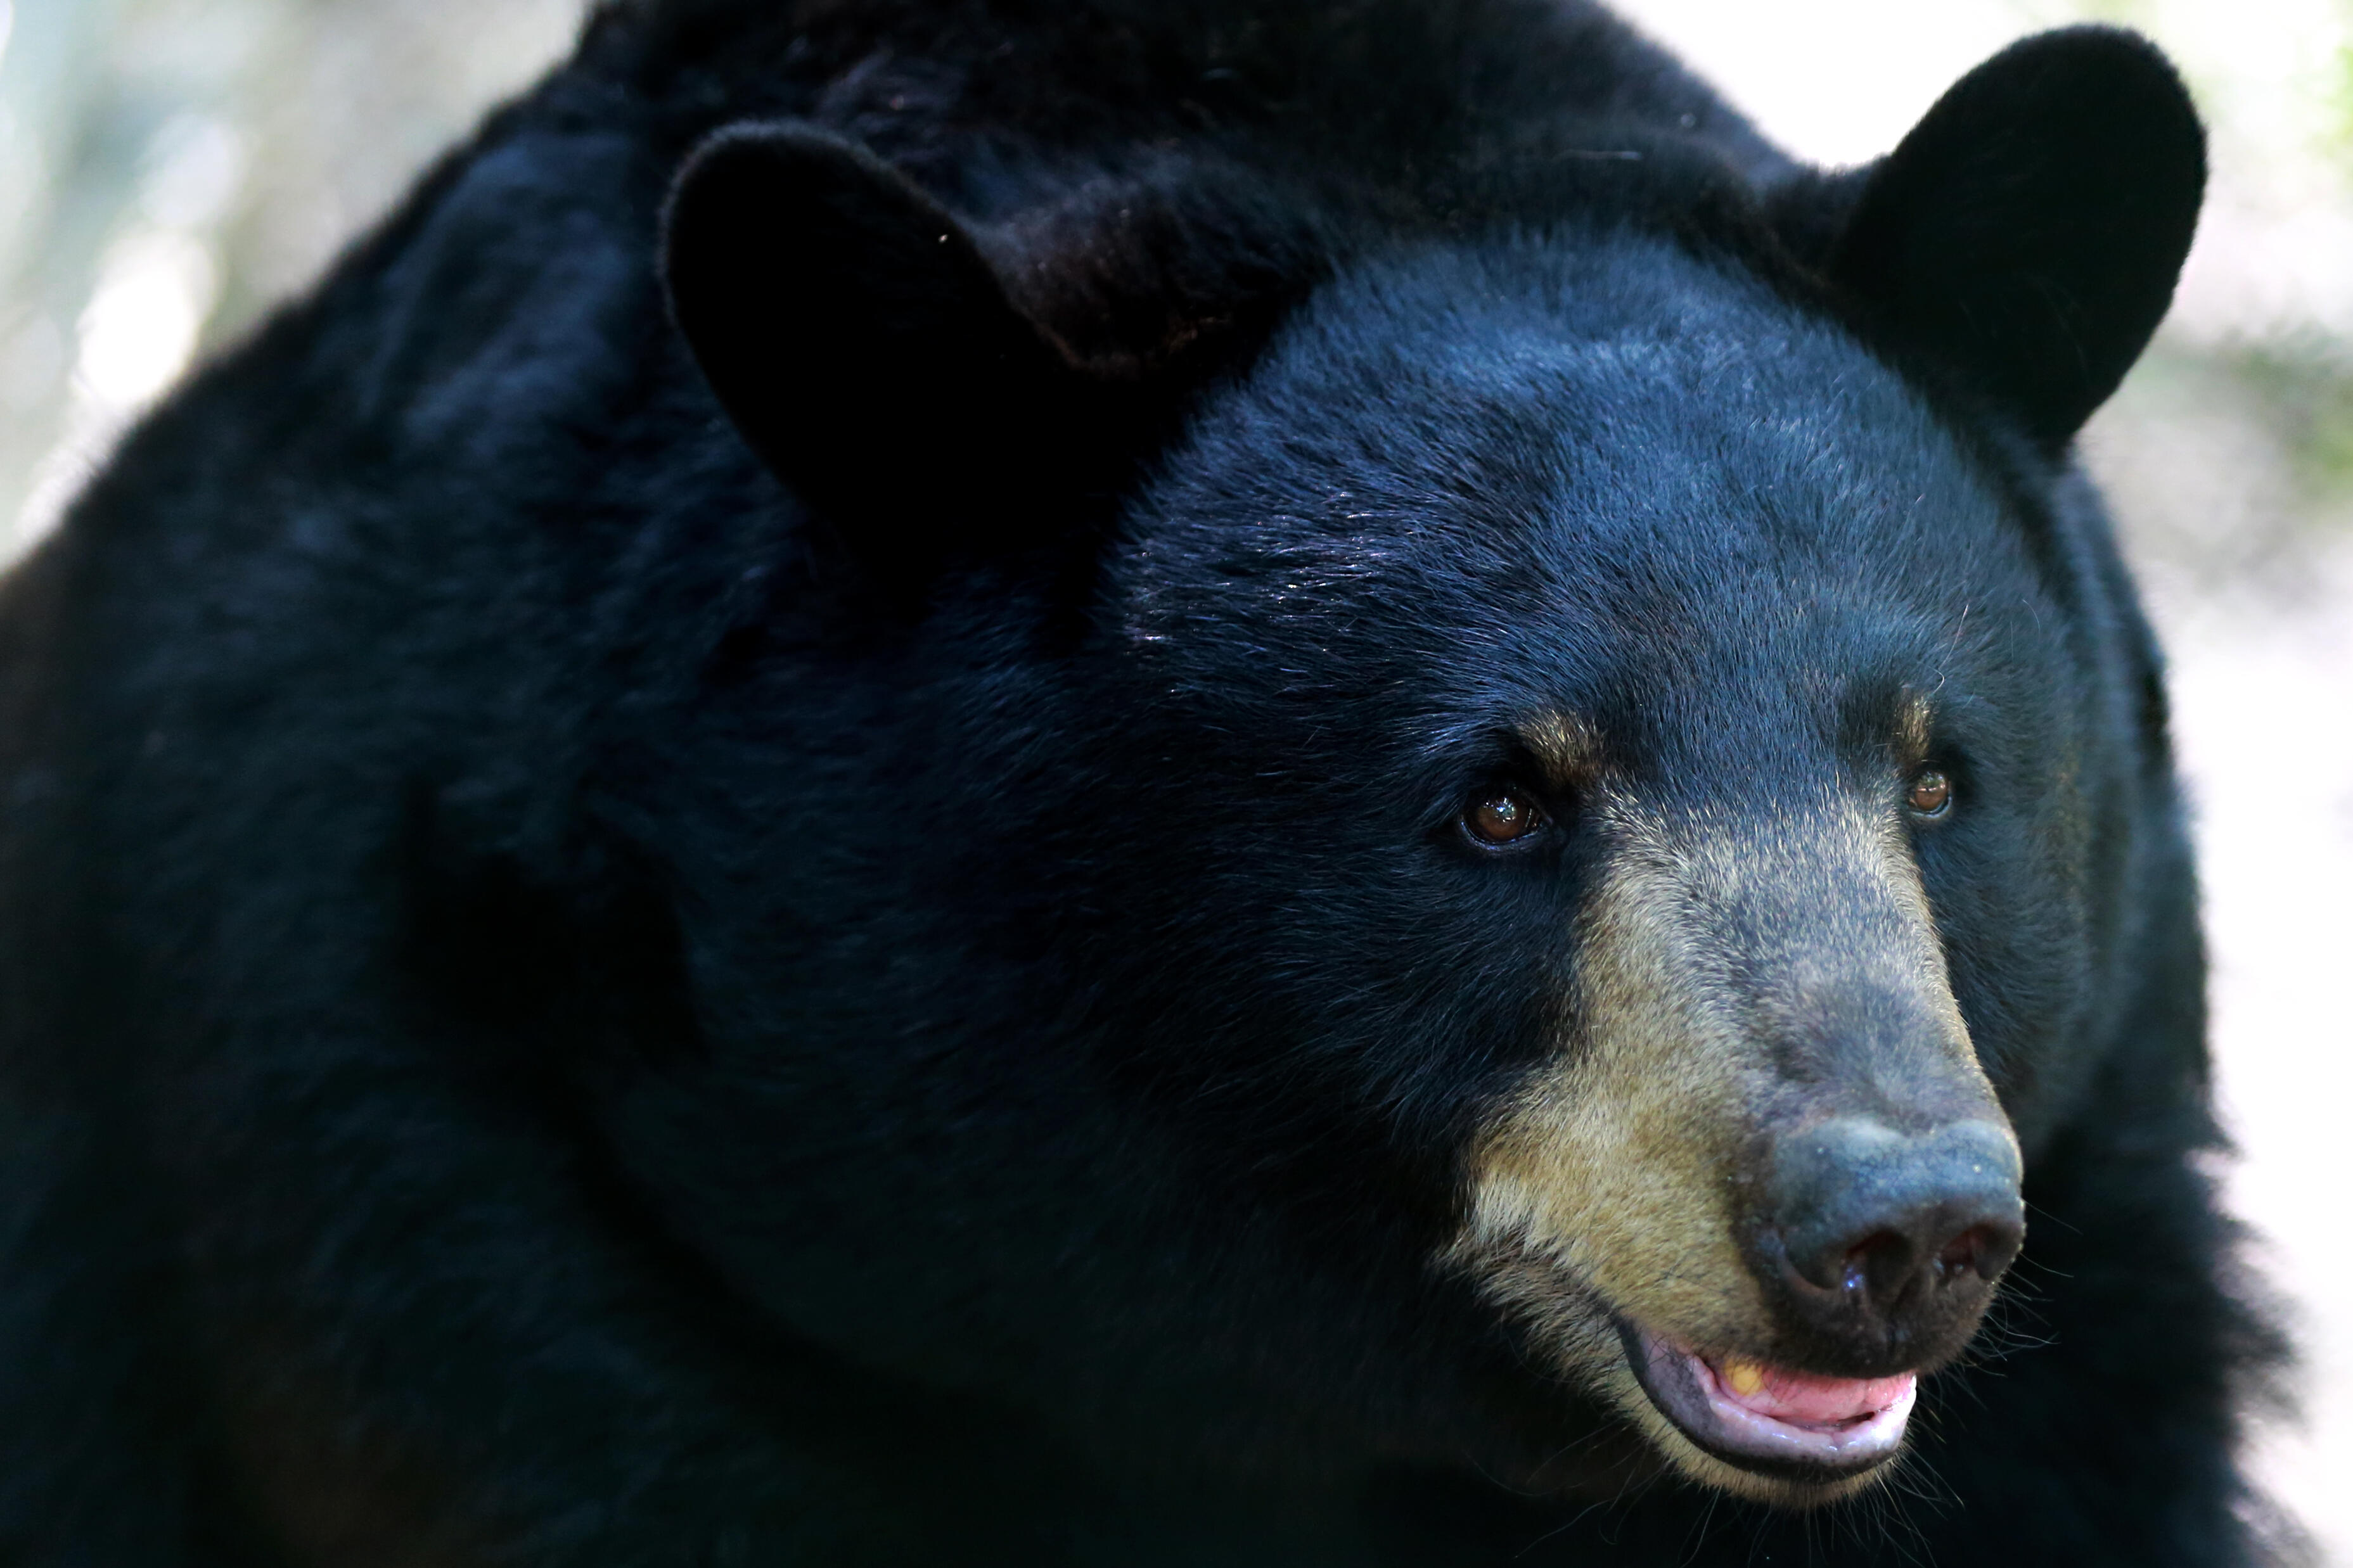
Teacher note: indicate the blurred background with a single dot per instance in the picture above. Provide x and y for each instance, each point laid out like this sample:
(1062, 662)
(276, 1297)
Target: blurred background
(169, 168)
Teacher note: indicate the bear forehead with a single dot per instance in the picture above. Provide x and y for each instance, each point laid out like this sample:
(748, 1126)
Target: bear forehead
(1504, 452)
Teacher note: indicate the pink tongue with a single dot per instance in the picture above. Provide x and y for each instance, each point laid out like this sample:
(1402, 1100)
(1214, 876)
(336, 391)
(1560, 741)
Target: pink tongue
(1808, 1401)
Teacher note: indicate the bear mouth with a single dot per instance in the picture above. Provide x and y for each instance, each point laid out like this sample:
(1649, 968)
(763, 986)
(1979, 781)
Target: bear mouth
(1769, 1420)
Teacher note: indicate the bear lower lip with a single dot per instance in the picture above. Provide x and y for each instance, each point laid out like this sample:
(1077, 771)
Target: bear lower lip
(1788, 1424)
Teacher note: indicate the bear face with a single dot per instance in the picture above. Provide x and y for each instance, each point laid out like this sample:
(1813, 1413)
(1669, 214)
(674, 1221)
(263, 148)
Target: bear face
(1703, 627)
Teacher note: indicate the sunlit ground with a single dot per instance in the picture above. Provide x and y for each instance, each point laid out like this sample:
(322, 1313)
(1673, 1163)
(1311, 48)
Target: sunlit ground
(167, 167)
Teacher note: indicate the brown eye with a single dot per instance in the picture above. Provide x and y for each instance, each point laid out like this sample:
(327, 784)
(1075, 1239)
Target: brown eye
(1500, 816)
(1931, 794)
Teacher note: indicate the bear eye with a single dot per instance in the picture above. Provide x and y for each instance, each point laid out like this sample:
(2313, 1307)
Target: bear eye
(1930, 793)
(1500, 816)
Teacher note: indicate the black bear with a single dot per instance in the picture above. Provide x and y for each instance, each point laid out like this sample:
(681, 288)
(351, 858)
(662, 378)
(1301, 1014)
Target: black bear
(1130, 781)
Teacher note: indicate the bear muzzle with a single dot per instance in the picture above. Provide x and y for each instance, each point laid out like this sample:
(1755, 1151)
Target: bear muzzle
(1879, 1250)
(1765, 1185)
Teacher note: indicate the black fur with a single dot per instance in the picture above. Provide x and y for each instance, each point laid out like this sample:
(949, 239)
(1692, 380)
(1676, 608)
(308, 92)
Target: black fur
(564, 1003)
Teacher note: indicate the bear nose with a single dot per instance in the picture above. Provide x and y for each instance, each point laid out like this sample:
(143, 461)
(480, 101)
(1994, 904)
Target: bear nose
(1895, 1239)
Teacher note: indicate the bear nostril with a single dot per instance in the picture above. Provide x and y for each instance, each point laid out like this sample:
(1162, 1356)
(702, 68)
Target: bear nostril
(1880, 1264)
(1985, 1249)
(1971, 1252)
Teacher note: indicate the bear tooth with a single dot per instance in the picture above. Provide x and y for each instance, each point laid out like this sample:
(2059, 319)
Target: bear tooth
(1745, 1378)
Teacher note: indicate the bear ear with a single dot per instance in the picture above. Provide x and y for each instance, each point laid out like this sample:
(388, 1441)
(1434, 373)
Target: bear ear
(868, 352)
(2027, 235)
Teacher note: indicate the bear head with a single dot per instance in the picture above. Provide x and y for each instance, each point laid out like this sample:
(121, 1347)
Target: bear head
(1512, 816)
